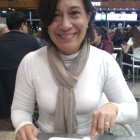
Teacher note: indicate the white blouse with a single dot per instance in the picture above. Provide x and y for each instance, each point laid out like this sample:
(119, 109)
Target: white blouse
(35, 82)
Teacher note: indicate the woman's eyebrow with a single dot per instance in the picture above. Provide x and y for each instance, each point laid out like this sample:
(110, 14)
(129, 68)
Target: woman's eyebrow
(71, 8)
(75, 7)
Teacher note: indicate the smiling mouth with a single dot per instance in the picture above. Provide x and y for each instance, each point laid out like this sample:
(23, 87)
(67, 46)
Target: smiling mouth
(67, 37)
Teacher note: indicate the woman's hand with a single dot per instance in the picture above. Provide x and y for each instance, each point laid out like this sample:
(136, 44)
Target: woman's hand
(27, 132)
(125, 48)
(103, 118)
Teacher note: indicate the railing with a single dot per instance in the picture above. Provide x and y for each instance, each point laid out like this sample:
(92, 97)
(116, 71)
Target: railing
(121, 4)
(28, 4)
(32, 4)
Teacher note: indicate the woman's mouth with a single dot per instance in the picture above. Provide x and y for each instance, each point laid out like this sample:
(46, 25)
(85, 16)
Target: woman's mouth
(67, 37)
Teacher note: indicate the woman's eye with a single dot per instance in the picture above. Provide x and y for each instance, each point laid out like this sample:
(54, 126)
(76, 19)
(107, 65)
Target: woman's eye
(75, 13)
(56, 14)
(56, 17)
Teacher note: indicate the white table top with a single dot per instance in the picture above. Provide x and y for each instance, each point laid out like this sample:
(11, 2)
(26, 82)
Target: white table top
(117, 49)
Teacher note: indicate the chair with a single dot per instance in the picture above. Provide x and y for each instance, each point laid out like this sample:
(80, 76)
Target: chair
(118, 55)
(135, 58)
(114, 55)
(121, 130)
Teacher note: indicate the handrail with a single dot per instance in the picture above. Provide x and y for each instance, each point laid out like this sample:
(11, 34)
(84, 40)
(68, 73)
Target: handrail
(32, 4)
(25, 4)
(120, 4)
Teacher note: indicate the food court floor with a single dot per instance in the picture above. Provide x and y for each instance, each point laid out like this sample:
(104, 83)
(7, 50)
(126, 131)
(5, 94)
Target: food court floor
(5, 124)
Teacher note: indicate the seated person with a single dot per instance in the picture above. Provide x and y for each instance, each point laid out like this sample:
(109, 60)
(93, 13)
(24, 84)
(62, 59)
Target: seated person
(132, 44)
(3, 29)
(101, 40)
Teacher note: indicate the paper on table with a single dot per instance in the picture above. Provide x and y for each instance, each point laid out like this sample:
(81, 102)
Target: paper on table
(62, 138)
(88, 137)
(84, 138)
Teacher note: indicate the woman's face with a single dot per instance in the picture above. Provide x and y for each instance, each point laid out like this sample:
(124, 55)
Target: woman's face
(69, 26)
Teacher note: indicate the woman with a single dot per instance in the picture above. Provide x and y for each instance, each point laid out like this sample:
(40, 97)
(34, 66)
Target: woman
(71, 78)
(132, 44)
(101, 40)
(118, 38)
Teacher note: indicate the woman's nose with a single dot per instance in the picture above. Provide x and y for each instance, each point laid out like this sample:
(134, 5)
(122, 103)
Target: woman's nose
(66, 23)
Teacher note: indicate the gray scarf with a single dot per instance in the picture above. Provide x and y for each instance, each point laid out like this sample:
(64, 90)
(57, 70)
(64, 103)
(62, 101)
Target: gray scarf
(65, 115)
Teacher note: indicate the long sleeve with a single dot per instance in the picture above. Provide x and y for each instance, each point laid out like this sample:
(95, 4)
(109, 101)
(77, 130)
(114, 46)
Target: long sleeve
(117, 91)
(24, 97)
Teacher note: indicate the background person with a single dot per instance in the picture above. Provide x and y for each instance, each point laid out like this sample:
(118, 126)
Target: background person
(66, 104)
(40, 40)
(132, 44)
(118, 38)
(14, 45)
(3, 28)
(101, 39)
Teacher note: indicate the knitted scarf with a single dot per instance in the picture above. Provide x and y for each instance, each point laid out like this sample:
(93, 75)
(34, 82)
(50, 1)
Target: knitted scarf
(65, 114)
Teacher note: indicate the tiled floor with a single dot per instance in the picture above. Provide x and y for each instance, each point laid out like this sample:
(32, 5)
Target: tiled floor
(5, 124)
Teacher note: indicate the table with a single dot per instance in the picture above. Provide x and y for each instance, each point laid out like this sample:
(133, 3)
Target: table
(10, 135)
(117, 49)
(43, 136)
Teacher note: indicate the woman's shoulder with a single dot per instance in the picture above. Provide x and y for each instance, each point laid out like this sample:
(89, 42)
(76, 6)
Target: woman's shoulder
(37, 54)
(102, 58)
(96, 51)
(99, 54)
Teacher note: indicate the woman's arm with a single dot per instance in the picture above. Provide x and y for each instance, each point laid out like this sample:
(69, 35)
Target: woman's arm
(121, 106)
(125, 48)
(128, 46)
(24, 96)
(23, 102)
(118, 92)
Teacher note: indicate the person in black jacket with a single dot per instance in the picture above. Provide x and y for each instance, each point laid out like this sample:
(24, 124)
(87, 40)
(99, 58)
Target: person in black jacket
(14, 45)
